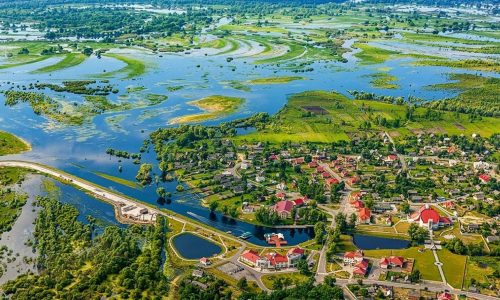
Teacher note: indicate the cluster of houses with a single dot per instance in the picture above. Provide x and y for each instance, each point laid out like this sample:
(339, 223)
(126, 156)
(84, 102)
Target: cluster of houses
(273, 260)
(284, 207)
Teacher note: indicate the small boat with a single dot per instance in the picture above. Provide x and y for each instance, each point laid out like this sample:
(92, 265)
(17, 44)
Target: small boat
(245, 235)
(229, 232)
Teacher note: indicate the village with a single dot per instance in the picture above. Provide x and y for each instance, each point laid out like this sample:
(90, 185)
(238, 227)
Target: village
(445, 186)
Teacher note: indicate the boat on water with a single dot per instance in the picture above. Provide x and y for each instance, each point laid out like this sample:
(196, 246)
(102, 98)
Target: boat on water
(245, 235)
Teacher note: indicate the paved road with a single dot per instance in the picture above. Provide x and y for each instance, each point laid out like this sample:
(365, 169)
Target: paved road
(401, 158)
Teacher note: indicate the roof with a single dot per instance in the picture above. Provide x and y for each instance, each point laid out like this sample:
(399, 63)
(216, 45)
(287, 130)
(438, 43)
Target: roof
(359, 271)
(298, 201)
(353, 254)
(362, 264)
(364, 213)
(331, 181)
(484, 177)
(251, 255)
(427, 214)
(444, 296)
(444, 220)
(204, 260)
(357, 204)
(325, 175)
(284, 206)
(276, 258)
(392, 157)
(396, 260)
(296, 250)
(384, 261)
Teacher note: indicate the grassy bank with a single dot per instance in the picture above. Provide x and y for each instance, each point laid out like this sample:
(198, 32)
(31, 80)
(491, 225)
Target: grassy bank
(70, 60)
(133, 68)
(213, 106)
(119, 180)
(10, 144)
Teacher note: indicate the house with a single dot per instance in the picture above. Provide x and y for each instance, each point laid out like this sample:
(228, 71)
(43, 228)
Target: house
(312, 164)
(284, 208)
(250, 257)
(320, 169)
(281, 195)
(391, 261)
(352, 257)
(205, 261)
(357, 204)
(354, 180)
(484, 178)
(197, 273)
(448, 204)
(445, 296)
(355, 196)
(298, 161)
(260, 178)
(294, 255)
(429, 218)
(414, 295)
(331, 181)
(479, 196)
(361, 268)
(298, 202)
(364, 215)
(276, 260)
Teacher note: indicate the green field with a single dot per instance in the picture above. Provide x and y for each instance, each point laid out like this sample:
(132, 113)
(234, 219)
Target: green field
(453, 267)
(268, 280)
(337, 117)
(10, 144)
(70, 60)
(372, 55)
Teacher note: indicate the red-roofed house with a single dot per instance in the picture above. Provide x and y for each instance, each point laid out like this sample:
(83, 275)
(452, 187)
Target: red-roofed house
(298, 161)
(361, 268)
(312, 164)
(352, 258)
(448, 204)
(429, 218)
(320, 169)
(354, 180)
(392, 261)
(251, 257)
(277, 260)
(331, 181)
(355, 196)
(391, 157)
(364, 215)
(298, 202)
(284, 208)
(325, 175)
(445, 296)
(281, 195)
(205, 261)
(484, 178)
(357, 204)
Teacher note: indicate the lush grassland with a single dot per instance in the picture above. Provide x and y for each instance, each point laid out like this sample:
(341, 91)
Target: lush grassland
(251, 28)
(118, 180)
(372, 55)
(134, 67)
(480, 95)
(25, 61)
(424, 261)
(275, 80)
(10, 144)
(214, 106)
(70, 60)
(339, 117)
(453, 268)
(9, 176)
(233, 46)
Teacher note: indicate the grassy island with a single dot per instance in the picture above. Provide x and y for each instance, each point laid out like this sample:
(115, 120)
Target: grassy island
(214, 107)
(11, 144)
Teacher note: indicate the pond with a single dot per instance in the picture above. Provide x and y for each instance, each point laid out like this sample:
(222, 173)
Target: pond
(191, 246)
(369, 242)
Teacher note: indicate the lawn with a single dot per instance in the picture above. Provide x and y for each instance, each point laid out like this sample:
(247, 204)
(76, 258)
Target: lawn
(10, 144)
(268, 279)
(454, 267)
(480, 271)
(372, 55)
(424, 261)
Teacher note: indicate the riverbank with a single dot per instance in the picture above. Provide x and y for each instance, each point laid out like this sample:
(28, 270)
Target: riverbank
(11, 144)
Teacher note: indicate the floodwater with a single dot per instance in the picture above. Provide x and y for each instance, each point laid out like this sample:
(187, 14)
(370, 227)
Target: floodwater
(80, 150)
